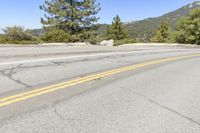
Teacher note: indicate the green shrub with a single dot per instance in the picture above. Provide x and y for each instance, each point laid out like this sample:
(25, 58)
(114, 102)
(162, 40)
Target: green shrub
(92, 41)
(3, 39)
(16, 34)
(95, 40)
(76, 38)
(124, 41)
(54, 35)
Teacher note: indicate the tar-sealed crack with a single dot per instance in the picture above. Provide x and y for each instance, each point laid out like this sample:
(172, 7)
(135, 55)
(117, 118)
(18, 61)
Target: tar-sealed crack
(74, 119)
(64, 63)
(12, 71)
(59, 115)
(164, 107)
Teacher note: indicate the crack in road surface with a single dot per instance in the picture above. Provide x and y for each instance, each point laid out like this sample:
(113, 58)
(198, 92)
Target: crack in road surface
(86, 57)
(12, 71)
(162, 106)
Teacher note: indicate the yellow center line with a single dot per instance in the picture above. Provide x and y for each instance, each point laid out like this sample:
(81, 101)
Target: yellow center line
(30, 94)
(56, 85)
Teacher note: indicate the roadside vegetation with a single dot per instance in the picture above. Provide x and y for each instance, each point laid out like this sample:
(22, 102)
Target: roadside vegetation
(187, 30)
(162, 34)
(18, 35)
(76, 21)
(3, 39)
(117, 32)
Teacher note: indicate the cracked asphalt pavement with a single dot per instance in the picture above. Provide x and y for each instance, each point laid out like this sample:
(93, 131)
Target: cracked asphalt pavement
(162, 98)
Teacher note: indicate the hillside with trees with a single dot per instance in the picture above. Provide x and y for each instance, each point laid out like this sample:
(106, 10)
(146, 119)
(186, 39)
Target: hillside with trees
(143, 30)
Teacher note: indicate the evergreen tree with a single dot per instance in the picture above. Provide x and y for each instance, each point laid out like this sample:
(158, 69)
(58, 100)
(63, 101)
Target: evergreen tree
(116, 31)
(72, 16)
(188, 28)
(162, 33)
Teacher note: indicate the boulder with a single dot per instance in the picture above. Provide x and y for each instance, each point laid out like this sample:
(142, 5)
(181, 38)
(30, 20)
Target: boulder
(107, 43)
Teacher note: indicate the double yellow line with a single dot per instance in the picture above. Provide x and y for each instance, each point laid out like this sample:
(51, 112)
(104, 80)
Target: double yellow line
(40, 91)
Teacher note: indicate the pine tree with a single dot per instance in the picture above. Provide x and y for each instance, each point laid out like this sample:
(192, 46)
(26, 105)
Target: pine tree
(162, 33)
(188, 28)
(72, 16)
(116, 31)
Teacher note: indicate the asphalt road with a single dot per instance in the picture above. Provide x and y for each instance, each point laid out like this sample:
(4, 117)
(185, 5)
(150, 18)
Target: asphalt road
(140, 89)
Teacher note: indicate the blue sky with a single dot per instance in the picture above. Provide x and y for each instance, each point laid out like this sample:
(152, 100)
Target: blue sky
(26, 12)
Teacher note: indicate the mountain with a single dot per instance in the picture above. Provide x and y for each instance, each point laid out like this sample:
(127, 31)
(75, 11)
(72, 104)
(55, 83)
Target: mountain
(144, 29)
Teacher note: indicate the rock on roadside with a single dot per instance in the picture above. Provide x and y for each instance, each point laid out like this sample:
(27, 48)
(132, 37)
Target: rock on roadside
(107, 43)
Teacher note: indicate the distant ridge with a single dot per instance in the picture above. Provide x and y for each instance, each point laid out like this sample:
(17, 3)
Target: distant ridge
(143, 29)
